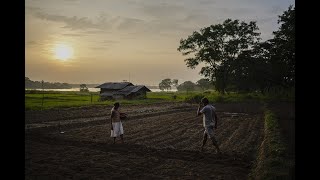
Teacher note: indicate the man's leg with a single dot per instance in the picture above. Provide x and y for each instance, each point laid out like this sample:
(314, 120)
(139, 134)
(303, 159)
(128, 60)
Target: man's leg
(204, 140)
(215, 143)
(213, 139)
(121, 136)
(114, 140)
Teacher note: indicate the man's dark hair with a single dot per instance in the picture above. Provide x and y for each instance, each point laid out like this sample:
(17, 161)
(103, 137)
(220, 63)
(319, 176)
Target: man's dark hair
(116, 104)
(205, 100)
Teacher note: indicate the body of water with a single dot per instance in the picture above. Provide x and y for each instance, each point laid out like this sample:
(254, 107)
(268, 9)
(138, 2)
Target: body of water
(93, 90)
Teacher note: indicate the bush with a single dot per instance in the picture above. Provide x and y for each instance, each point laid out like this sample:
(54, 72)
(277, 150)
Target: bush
(272, 161)
(219, 98)
(174, 97)
(194, 98)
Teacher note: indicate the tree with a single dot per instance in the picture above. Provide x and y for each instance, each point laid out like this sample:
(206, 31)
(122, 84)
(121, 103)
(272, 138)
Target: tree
(186, 86)
(218, 46)
(83, 88)
(270, 64)
(165, 84)
(282, 49)
(203, 84)
(174, 82)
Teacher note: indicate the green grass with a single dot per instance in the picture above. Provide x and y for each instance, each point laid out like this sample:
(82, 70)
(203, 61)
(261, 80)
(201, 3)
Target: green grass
(54, 99)
(272, 161)
(51, 99)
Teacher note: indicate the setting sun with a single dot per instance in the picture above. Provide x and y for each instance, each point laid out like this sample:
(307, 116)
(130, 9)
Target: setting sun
(63, 51)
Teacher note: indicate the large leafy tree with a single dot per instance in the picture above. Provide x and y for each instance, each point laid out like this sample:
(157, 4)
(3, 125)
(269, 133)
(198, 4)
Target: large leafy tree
(175, 82)
(282, 49)
(270, 64)
(84, 88)
(165, 84)
(217, 47)
(187, 86)
(203, 84)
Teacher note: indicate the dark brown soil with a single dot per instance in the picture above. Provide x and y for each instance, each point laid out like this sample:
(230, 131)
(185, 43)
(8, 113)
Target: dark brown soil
(161, 142)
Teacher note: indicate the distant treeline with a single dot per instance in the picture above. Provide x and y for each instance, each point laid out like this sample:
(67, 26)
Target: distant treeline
(88, 85)
(152, 87)
(29, 84)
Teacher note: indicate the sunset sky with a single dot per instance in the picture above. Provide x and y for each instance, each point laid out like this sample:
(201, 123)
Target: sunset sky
(97, 41)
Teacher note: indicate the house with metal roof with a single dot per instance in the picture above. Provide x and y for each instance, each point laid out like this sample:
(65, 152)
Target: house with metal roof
(122, 90)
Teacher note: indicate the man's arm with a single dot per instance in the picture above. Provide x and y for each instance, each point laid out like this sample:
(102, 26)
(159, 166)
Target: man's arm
(198, 111)
(216, 118)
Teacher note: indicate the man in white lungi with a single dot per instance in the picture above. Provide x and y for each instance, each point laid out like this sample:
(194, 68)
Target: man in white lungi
(116, 125)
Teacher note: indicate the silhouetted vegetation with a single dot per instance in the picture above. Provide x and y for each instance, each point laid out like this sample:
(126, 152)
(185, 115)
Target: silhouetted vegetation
(167, 83)
(187, 86)
(29, 84)
(272, 159)
(84, 88)
(235, 60)
(204, 84)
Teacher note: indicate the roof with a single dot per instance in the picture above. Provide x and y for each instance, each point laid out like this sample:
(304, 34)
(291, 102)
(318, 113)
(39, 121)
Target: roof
(131, 89)
(114, 85)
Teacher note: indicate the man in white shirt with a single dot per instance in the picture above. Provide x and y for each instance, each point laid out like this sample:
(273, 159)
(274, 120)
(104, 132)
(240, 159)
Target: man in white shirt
(209, 122)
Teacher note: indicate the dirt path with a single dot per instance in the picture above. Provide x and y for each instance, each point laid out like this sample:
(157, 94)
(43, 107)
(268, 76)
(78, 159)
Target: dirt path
(161, 145)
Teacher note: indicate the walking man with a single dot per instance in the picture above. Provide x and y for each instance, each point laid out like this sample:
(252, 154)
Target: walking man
(210, 122)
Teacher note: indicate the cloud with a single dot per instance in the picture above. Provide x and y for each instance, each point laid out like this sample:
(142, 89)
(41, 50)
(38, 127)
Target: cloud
(194, 18)
(276, 10)
(265, 20)
(162, 18)
(101, 24)
(130, 23)
(74, 35)
(32, 43)
(71, 22)
(94, 32)
(236, 11)
(108, 42)
(99, 48)
(30, 9)
(163, 10)
(207, 2)
(157, 52)
(172, 17)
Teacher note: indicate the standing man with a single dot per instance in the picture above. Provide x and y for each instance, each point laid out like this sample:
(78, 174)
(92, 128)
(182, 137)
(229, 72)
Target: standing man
(116, 124)
(209, 122)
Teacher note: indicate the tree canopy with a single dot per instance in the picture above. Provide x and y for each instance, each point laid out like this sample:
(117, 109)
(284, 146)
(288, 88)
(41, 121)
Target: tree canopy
(234, 59)
(204, 84)
(84, 88)
(218, 46)
(165, 84)
(186, 86)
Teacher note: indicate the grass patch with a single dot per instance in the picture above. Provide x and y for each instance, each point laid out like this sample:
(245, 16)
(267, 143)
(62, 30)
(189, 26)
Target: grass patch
(37, 100)
(58, 99)
(272, 161)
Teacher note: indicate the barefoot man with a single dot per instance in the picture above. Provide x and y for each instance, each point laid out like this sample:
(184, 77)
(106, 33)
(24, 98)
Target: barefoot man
(209, 122)
(116, 124)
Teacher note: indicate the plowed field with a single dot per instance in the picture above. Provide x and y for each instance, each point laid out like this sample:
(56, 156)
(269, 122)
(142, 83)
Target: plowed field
(161, 142)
